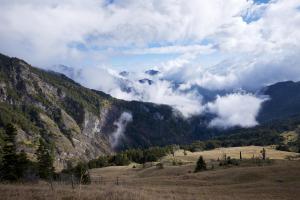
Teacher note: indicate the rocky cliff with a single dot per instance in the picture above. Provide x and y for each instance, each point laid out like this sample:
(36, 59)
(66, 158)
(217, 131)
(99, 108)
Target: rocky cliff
(79, 122)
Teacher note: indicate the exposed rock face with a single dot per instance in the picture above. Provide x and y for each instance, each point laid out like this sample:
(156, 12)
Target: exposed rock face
(54, 108)
(82, 123)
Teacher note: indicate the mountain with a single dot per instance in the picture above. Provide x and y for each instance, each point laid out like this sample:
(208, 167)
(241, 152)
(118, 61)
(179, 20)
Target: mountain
(147, 81)
(284, 101)
(82, 123)
(152, 72)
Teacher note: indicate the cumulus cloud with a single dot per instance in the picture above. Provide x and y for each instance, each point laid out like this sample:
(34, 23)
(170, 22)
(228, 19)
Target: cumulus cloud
(216, 45)
(175, 49)
(95, 32)
(235, 110)
(73, 31)
(121, 124)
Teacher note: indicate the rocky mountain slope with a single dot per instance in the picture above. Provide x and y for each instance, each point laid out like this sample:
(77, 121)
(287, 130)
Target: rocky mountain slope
(82, 123)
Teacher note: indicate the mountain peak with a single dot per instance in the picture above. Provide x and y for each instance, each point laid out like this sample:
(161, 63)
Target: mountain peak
(152, 72)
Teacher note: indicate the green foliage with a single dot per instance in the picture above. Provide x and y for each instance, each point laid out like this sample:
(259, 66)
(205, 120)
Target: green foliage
(202, 145)
(8, 169)
(212, 144)
(75, 109)
(82, 173)
(135, 155)
(154, 153)
(15, 115)
(195, 146)
(2, 135)
(120, 159)
(13, 165)
(132, 155)
(102, 161)
(200, 165)
(45, 159)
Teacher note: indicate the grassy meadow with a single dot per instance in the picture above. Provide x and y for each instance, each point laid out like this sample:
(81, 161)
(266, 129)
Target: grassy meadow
(278, 178)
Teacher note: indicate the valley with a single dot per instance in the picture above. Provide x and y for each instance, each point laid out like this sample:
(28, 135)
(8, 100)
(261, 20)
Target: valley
(149, 100)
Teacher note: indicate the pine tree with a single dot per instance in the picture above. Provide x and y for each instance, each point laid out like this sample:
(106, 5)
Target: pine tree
(9, 160)
(23, 164)
(45, 160)
(81, 171)
(263, 153)
(201, 165)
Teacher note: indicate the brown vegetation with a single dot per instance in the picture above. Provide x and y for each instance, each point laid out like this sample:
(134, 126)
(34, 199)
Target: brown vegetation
(279, 180)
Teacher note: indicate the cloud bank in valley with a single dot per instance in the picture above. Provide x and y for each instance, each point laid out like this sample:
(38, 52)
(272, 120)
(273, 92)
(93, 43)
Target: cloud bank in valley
(235, 110)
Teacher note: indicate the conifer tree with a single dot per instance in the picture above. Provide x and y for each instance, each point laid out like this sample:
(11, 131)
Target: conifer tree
(23, 164)
(263, 153)
(45, 160)
(82, 173)
(9, 160)
(201, 165)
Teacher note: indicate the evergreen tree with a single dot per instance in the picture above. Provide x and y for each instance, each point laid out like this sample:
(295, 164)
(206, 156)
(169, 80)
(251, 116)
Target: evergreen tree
(263, 153)
(201, 165)
(23, 164)
(45, 160)
(82, 173)
(121, 159)
(9, 160)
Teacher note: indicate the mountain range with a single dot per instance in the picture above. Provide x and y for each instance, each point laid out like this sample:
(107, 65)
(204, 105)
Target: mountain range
(83, 123)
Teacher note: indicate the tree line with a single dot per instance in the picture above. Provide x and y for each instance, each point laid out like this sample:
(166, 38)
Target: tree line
(16, 166)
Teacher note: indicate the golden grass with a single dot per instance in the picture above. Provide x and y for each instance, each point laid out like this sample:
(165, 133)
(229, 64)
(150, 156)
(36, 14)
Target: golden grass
(234, 152)
(281, 180)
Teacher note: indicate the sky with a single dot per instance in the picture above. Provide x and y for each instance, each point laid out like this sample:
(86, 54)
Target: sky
(217, 45)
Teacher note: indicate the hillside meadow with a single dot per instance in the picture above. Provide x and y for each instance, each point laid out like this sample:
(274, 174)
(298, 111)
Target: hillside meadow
(277, 178)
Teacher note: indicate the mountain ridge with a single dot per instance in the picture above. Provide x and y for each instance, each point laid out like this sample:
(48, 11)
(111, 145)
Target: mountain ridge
(82, 123)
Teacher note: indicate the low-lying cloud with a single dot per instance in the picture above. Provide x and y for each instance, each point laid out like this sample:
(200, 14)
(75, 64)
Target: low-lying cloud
(231, 108)
(121, 124)
(235, 110)
(159, 91)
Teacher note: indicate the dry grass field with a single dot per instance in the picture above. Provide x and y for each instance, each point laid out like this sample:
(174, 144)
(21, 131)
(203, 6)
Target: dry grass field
(278, 180)
(234, 152)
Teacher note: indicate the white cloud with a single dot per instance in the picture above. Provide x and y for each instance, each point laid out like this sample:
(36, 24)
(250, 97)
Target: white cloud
(160, 91)
(51, 29)
(235, 110)
(121, 124)
(220, 44)
(175, 49)
(94, 32)
(163, 92)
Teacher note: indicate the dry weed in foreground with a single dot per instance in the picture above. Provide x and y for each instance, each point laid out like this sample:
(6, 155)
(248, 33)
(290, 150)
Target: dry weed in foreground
(64, 192)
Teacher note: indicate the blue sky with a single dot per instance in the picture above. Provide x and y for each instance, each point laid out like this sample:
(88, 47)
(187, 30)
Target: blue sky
(231, 45)
(135, 34)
